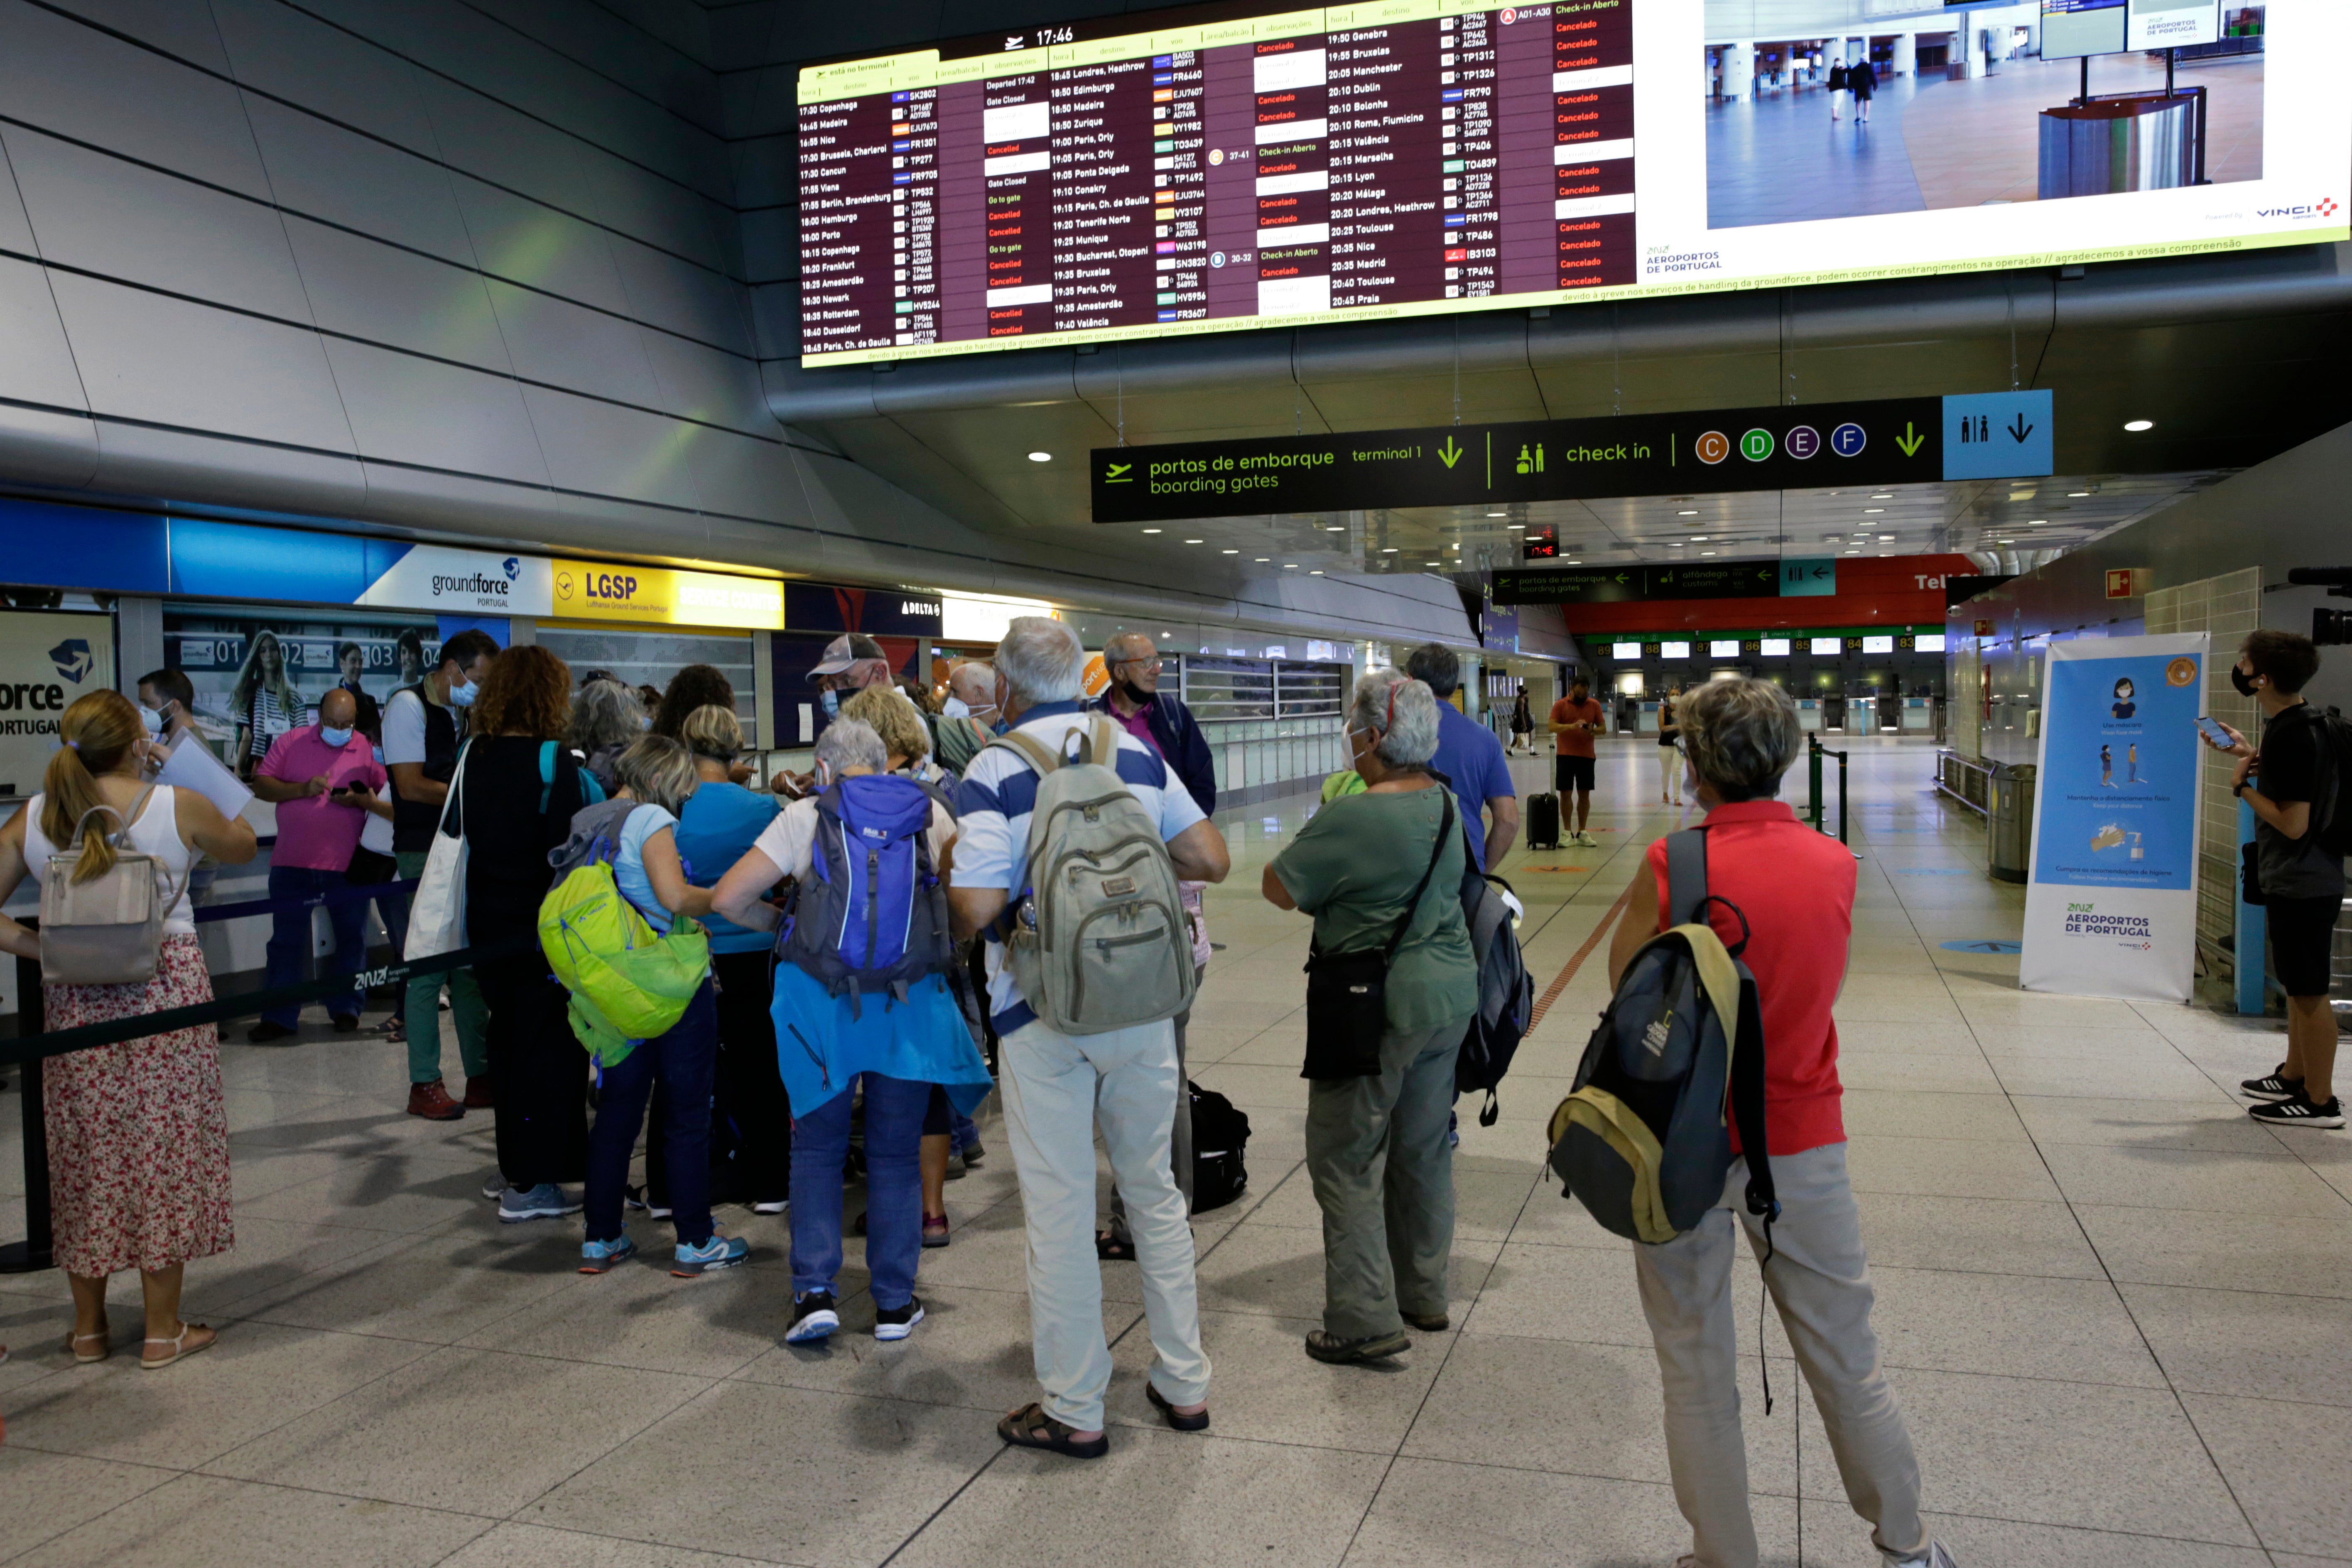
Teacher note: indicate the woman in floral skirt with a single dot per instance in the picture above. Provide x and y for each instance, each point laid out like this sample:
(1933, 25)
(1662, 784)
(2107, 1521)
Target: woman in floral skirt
(138, 1131)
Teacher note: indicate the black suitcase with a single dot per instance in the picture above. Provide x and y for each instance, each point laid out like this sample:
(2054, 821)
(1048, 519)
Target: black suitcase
(1543, 821)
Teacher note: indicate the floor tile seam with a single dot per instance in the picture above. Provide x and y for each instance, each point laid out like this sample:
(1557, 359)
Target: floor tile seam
(1781, 1358)
(204, 1472)
(2345, 1301)
(1404, 1437)
(633, 1540)
(164, 1475)
(708, 1386)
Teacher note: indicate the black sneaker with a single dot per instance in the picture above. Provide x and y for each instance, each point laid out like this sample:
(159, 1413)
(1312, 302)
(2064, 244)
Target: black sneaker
(2277, 1086)
(898, 1322)
(814, 1317)
(2299, 1112)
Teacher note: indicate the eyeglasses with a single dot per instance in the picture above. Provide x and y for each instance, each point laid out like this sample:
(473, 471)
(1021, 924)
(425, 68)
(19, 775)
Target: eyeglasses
(1139, 666)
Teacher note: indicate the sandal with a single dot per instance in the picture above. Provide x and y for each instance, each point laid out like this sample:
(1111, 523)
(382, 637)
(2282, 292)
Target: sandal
(1111, 1249)
(1330, 1348)
(105, 1346)
(180, 1347)
(1030, 1427)
(1196, 1422)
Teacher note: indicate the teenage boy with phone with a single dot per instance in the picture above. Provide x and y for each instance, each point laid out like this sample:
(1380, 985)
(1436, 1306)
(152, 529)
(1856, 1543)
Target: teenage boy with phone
(2292, 784)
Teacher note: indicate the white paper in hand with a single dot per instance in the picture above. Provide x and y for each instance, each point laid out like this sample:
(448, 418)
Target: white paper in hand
(193, 766)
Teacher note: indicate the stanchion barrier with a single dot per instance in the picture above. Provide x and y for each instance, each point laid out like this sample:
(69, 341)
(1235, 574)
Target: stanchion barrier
(209, 912)
(1814, 752)
(29, 1051)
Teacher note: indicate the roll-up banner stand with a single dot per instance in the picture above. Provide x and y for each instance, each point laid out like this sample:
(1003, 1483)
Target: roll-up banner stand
(2111, 910)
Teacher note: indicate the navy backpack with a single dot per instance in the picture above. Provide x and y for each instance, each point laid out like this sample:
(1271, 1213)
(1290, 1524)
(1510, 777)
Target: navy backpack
(871, 915)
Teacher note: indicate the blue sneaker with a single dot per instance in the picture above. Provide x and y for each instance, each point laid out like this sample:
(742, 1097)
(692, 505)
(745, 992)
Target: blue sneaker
(719, 1252)
(597, 1256)
(545, 1201)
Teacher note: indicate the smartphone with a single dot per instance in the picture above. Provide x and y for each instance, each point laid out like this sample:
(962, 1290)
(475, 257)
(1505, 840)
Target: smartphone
(2213, 730)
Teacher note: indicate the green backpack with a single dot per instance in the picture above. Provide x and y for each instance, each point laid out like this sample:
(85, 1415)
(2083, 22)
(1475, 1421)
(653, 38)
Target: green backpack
(628, 981)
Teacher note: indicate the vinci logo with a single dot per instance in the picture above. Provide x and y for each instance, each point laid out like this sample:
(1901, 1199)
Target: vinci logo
(2326, 207)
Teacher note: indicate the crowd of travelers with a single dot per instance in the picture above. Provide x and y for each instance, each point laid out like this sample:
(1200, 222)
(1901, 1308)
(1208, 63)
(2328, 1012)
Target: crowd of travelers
(791, 988)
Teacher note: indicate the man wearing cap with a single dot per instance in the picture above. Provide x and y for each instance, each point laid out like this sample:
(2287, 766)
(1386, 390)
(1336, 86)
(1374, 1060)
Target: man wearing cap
(852, 662)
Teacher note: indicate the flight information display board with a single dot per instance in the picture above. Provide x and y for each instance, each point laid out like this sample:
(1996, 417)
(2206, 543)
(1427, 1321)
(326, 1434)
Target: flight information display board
(1223, 166)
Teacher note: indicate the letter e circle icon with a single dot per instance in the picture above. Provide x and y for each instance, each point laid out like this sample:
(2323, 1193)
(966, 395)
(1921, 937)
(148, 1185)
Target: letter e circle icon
(1712, 447)
(1804, 441)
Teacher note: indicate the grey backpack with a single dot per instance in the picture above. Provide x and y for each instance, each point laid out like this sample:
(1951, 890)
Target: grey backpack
(108, 930)
(1099, 940)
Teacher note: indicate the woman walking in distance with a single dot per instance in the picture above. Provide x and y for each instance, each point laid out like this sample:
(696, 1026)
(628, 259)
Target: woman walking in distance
(138, 1131)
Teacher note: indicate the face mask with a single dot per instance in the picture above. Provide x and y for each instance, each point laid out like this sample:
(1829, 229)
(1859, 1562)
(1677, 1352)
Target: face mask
(463, 696)
(956, 707)
(2242, 681)
(823, 773)
(645, 722)
(830, 700)
(153, 720)
(337, 738)
(1136, 696)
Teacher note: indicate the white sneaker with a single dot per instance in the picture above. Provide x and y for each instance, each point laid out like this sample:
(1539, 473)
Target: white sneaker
(1936, 1556)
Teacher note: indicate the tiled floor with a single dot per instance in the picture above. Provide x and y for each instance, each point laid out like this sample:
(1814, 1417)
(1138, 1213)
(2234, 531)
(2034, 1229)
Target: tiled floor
(2118, 1315)
(1932, 143)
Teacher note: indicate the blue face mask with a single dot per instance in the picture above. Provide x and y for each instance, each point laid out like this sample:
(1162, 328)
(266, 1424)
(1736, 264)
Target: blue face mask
(830, 700)
(463, 696)
(337, 738)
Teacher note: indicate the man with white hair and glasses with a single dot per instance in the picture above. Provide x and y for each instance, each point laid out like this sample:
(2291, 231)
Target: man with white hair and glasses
(1058, 1086)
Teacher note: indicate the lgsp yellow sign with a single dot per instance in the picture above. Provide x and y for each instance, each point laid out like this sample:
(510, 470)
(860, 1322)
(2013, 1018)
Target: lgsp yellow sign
(598, 591)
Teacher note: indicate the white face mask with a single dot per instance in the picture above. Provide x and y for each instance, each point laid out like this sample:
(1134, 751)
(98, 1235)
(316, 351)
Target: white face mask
(463, 696)
(956, 707)
(153, 720)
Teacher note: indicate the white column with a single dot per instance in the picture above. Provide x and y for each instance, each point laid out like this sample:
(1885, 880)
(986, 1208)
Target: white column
(1739, 69)
(1907, 53)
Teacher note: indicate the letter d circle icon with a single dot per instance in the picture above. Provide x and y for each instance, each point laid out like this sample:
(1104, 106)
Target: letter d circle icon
(1756, 446)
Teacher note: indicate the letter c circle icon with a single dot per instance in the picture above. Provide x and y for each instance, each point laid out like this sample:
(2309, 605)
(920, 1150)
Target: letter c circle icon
(1712, 447)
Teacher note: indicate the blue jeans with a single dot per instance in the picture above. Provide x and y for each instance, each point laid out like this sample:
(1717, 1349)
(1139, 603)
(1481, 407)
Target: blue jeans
(682, 1060)
(290, 938)
(894, 1188)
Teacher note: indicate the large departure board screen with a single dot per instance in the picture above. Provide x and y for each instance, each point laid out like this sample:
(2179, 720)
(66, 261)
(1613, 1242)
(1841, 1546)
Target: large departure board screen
(1222, 166)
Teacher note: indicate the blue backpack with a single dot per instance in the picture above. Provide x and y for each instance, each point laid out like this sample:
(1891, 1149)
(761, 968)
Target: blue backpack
(871, 915)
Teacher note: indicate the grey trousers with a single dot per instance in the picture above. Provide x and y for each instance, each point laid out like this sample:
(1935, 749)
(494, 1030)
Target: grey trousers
(1383, 1176)
(1180, 1139)
(1821, 1283)
(1056, 1088)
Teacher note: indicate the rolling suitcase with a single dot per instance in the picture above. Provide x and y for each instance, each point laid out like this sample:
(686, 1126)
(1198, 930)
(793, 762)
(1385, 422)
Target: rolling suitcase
(1543, 821)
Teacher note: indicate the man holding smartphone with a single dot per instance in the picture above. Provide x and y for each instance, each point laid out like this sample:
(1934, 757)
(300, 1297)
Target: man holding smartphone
(2292, 784)
(1576, 720)
(325, 782)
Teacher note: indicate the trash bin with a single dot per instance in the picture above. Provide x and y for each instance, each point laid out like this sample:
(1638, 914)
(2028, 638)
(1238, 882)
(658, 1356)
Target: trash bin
(2009, 826)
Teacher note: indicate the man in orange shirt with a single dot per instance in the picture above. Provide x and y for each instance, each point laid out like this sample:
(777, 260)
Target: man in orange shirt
(1575, 719)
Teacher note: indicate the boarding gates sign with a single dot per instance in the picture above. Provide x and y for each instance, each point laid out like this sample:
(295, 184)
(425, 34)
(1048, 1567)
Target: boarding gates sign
(2111, 907)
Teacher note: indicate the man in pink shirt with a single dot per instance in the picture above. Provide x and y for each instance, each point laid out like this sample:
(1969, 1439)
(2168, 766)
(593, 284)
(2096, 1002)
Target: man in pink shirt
(325, 781)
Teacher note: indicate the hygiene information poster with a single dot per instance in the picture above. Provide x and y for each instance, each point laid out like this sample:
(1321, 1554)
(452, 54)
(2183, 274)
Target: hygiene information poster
(2111, 909)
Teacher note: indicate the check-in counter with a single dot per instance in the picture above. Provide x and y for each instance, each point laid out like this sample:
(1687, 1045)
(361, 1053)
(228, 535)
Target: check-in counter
(1809, 713)
(1918, 715)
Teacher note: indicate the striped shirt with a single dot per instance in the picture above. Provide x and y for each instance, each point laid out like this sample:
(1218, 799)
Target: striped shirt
(992, 810)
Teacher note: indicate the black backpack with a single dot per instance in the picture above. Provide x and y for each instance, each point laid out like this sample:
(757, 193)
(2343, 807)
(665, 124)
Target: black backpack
(1641, 1142)
(1220, 1133)
(2333, 739)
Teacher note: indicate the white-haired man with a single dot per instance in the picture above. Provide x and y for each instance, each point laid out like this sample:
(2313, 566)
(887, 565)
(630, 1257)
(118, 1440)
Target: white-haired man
(967, 718)
(1057, 1087)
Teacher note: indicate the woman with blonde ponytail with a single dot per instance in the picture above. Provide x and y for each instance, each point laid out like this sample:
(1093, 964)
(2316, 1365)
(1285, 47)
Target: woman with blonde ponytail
(138, 1131)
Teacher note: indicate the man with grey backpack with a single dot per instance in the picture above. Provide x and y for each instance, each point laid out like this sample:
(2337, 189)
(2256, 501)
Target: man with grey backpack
(1073, 837)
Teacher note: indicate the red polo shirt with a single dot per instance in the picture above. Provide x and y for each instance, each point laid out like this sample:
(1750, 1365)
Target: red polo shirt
(1796, 888)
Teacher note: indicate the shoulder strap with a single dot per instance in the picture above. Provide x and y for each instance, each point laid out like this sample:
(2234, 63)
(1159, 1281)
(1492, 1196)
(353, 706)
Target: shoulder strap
(450, 802)
(1436, 853)
(1102, 742)
(1685, 875)
(546, 774)
(1029, 749)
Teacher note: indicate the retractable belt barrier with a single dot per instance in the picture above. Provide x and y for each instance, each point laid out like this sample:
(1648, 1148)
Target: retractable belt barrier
(29, 1051)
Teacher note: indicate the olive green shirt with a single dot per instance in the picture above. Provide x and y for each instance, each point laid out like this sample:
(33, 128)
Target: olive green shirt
(1352, 867)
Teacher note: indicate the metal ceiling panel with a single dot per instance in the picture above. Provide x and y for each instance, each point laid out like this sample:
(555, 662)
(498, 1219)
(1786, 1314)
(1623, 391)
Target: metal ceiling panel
(503, 146)
(613, 451)
(420, 412)
(397, 297)
(703, 384)
(568, 345)
(58, 74)
(286, 53)
(540, 247)
(691, 300)
(121, 220)
(15, 231)
(181, 27)
(340, 177)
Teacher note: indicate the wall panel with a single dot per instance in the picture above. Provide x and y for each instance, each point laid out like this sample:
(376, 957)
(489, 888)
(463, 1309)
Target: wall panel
(554, 341)
(372, 292)
(180, 27)
(409, 410)
(540, 247)
(277, 49)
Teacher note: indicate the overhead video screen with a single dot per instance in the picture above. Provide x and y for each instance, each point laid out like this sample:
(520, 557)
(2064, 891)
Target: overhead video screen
(1231, 166)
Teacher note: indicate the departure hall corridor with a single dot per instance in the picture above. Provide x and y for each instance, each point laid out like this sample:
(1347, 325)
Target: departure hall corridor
(2086, 1260)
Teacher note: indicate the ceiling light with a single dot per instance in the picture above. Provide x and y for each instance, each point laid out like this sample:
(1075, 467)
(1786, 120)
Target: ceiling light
(1706, 552)
(1576, 563)
(1264, 559)
(2136, 425)
(1041, 457)
(1853, 553)
(1515, 527)
(1317, 573)
(1698, 539)
(1335, 528)
(1233, 553)
(1290, 566)
(1498, 514)
(2076, 495)
(1886, 538)
(1888, 496)
(1151, 530)
(2004, 541)
(1390, 550)
(1433, 564)
(1196, 542)
(1692, 513)
(1872, 510)
(2037, 523)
